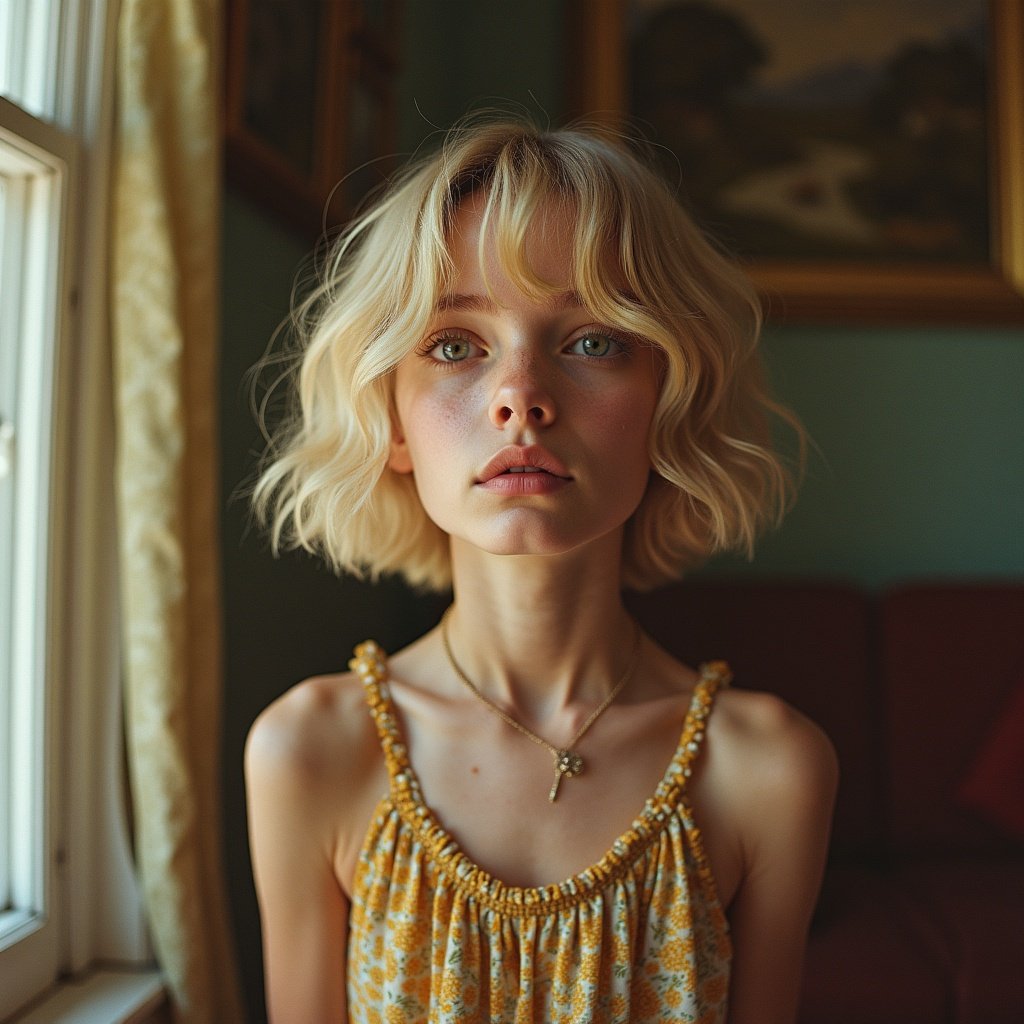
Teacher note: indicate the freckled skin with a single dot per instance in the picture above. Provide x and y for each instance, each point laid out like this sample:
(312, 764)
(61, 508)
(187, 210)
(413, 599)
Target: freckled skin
(525, 381)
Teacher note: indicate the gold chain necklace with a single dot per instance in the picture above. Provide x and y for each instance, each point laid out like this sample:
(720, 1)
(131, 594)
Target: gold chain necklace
(567, 762)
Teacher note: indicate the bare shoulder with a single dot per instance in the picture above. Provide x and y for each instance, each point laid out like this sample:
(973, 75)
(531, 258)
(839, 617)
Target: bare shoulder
(308, 768)
(763, 790)
(309, 726)
(315, 749)
(769, 789)
(772, 749)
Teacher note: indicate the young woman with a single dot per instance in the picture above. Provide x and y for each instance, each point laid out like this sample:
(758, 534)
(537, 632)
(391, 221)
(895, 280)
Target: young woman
(526, 376)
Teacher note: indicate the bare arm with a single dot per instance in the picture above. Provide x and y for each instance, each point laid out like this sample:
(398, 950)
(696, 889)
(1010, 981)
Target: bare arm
(303, 911)
(790, 774)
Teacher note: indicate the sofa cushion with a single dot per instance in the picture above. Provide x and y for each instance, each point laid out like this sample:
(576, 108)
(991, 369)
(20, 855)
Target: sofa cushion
(868, 961)
(807, 642)
(950, 658)
(994, 786)
(977, 907)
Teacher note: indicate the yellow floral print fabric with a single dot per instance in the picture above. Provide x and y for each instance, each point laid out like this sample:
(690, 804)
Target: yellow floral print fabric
(640, 936)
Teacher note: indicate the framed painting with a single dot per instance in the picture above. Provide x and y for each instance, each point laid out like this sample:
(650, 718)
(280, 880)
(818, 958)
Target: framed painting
(309, 119)
(865, 158)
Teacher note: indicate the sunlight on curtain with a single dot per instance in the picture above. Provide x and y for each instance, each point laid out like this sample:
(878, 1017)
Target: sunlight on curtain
(165, 280)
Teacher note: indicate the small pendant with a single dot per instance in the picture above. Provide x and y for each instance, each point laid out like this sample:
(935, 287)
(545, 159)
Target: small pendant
(566, 763)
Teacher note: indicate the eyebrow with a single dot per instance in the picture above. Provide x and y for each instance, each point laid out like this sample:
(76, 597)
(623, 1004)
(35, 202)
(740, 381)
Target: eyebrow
(485, 304)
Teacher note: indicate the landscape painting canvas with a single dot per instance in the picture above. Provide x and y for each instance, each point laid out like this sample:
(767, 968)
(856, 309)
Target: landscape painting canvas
(806, 130)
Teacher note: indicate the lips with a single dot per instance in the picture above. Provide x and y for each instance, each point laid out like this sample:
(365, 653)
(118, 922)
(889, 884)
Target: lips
(516, 461)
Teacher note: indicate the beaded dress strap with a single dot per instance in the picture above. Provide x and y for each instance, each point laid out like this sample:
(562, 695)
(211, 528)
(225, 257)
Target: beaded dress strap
(370, 664)
(714, 675)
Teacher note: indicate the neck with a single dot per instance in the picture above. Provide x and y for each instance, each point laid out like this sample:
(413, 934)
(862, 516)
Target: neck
(538, 634)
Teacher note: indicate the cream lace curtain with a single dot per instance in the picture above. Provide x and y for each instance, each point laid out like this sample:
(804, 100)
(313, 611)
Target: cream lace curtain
(164, 290)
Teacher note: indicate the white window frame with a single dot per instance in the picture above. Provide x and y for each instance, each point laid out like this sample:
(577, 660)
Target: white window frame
(38, 161)
(85, 908)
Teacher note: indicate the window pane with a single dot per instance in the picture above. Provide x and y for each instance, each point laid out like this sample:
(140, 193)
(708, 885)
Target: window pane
(28, 53)
(32, 178)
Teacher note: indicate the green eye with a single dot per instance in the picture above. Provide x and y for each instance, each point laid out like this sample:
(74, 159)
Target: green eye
(596, 345)
(454, 350)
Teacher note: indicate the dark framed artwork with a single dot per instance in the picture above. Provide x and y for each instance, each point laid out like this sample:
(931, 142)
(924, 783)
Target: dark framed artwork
(866, 158)
(309, 120)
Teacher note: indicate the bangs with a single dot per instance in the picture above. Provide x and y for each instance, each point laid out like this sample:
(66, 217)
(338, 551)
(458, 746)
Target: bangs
(529, 182)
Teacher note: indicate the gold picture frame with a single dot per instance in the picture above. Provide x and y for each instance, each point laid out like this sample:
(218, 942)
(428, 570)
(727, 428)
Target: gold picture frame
(897, 290)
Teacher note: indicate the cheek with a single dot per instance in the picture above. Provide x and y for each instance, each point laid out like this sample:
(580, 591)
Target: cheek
(431, 426)
(628, 423)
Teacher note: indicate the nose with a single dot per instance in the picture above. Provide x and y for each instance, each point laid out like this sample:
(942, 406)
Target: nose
(522, 398)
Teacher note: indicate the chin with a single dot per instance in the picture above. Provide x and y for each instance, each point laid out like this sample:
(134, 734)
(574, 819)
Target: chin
(535, 541)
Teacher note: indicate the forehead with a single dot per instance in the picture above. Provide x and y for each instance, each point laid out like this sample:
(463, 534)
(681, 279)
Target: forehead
(545, 251)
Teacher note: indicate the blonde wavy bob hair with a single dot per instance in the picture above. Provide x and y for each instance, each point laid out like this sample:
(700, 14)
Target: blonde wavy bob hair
(640, 264)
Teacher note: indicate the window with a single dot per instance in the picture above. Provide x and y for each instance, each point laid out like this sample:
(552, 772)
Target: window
(33, 174)
(67, 895)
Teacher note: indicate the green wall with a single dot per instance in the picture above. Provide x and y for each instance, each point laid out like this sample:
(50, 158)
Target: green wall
(918, 472)
(460, 53)
(919, 463)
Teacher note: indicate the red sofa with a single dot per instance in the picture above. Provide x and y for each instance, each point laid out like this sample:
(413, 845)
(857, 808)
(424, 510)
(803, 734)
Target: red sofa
(921, 688)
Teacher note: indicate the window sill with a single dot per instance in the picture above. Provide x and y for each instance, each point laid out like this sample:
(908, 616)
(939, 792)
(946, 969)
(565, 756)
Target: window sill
(103, 997)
